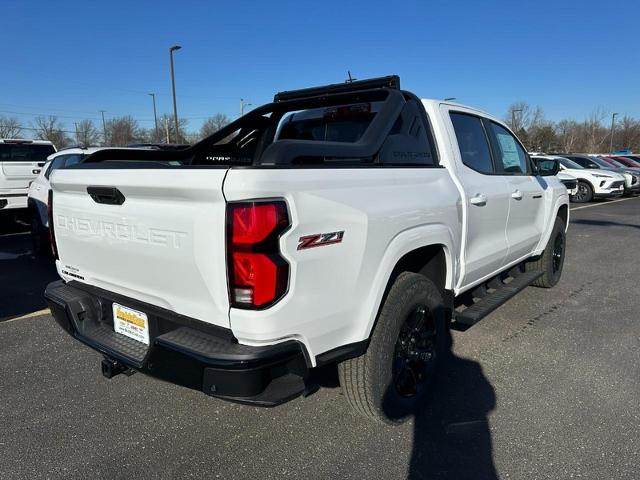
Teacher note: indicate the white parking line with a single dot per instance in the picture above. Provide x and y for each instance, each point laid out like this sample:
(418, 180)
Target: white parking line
(605, 203)
(45, 311)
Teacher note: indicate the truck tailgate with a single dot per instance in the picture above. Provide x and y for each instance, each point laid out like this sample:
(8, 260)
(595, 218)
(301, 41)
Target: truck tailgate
(18, 174)
(164, 245)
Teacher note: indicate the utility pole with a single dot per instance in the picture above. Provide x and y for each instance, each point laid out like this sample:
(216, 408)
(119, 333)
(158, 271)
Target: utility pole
(155, 114)
(104, 126)
(613, 124)
(77, 136)
(173, 86)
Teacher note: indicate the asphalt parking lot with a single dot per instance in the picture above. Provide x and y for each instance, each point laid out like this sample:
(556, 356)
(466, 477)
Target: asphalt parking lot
(544, 388)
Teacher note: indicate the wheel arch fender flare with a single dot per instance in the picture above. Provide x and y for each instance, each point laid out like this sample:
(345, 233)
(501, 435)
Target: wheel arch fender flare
(560, 209)
(438, 236)
(588, 182)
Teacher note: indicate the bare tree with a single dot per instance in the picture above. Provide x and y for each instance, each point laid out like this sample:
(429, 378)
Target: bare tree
(213, 124)
(518, 117)
(49, 128)
(10, 127)
(627, 134)
(595, 133)
(122, 131)
(87, 133)
(167, 125)
(567, 132)
(591, 135)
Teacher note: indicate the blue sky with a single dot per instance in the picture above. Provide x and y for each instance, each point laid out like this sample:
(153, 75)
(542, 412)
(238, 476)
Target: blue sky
(73, 58)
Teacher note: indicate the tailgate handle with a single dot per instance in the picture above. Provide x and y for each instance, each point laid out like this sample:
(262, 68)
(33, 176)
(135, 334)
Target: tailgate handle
(106, 195)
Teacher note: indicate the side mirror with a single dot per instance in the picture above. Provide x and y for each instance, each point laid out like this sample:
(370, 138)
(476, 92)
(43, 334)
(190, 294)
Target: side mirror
(547, 167)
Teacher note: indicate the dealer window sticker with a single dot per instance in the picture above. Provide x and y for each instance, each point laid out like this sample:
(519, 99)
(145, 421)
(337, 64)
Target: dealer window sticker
(510, 157)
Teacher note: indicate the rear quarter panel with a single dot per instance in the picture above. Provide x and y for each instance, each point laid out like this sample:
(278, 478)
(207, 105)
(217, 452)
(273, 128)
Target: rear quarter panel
(335, 290)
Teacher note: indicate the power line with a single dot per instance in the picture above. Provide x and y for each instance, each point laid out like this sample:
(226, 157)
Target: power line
(112, 115)
(37, 129)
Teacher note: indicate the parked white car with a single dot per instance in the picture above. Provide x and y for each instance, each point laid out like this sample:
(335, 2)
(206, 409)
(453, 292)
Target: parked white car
(593, 162)
(592, 183)
(20, 163)
(569, 181)
(341, 225)
(38, 193)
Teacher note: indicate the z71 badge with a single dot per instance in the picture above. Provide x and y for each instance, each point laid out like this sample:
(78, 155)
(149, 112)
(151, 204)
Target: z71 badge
(320, 240)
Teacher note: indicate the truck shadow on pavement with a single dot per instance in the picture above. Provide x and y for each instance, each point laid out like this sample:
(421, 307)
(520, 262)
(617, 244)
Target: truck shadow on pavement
(23, 276)
(452, 438)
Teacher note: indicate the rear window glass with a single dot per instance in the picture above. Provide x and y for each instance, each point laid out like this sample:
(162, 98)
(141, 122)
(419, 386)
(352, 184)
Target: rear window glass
(24, 152)
(342, 123)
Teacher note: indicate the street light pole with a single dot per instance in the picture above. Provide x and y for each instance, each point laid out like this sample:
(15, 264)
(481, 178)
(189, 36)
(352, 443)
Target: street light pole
(155, 114)
(173, 85)
(242, 105)
(104, 126)
(613, 123)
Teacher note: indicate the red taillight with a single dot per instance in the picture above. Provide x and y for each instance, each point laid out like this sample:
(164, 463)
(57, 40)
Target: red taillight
(258, 275)
(52, 235)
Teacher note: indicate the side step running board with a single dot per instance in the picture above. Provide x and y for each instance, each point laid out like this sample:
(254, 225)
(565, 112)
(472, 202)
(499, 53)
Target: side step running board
(483, 307)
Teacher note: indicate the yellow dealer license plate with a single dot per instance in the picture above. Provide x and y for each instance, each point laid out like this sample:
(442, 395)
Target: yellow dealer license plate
(130, 322)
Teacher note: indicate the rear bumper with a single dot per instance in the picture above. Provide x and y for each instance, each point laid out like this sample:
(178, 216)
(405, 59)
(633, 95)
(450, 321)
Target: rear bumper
(182, 350)
(13, 199)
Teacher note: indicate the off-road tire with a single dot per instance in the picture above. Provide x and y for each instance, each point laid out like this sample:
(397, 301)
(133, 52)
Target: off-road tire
(367, 381)
(545, 262)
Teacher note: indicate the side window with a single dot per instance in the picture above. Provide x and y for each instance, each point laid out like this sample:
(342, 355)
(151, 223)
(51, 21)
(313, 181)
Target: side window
(73, 159)
(472, 141)
(579, 161)
(56, 163)
(510, 156)
(592, 164)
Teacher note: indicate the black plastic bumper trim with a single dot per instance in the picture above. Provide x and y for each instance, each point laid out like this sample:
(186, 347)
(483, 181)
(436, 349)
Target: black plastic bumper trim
(183, 352)
(344, 352)
(12, 195)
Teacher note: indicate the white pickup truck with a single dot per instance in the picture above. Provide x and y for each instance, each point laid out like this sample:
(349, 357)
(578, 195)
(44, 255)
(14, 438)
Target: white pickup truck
(20, 163)
(346, 225)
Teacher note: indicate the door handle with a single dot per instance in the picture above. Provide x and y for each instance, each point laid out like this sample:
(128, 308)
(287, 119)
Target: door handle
(478, 199)
(106, 195)
(517, 195)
